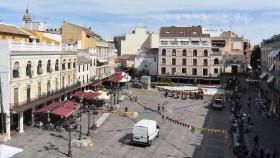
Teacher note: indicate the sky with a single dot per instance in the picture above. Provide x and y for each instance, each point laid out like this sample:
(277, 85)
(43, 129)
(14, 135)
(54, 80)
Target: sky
(253, 19)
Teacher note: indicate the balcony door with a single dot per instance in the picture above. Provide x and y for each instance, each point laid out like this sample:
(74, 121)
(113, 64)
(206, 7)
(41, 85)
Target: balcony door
(28, 93)
(15, 96)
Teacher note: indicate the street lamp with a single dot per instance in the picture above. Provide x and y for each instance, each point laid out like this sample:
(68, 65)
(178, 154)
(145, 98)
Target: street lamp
(88, 132)
(81, 114)
(70, 139)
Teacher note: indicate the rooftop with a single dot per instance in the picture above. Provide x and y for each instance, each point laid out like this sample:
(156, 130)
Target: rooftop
(173, 31)
(87, 30)
(12, 29)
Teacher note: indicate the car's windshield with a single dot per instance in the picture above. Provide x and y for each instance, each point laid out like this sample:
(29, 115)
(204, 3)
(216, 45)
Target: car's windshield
(218, 101)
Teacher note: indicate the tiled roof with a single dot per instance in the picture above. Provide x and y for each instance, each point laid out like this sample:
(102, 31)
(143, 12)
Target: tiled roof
(173, 31)
(87, 30)
(12, 29)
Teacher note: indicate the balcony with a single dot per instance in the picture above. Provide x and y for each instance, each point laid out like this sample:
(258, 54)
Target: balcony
(44, 98)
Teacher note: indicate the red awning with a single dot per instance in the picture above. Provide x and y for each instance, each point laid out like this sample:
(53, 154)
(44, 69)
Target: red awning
(115, 78)
(48, 108)
(88, 95)
(66, 109)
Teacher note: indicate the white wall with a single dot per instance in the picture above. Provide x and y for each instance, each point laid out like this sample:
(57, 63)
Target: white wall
(135, 41)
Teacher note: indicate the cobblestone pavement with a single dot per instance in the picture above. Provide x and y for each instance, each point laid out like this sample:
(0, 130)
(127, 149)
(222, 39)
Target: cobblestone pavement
(267, 129)
(111, 139)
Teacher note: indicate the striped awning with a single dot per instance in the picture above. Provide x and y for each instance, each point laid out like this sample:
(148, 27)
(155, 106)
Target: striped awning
(263, 75)
(270, 79)
(274, 53)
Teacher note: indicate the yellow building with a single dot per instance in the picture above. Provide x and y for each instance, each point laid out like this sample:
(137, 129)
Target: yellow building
(72, 34)
(40, 37)
(8, 31)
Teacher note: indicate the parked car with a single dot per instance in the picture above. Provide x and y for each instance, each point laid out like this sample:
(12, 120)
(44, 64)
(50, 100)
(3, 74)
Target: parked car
(145, 131)
(217, 103)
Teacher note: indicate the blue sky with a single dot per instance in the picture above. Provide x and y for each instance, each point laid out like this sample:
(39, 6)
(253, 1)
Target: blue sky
(254, 19)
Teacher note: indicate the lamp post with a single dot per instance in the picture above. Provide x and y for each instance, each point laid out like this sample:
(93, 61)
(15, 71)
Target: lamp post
(118, 90)
(70, 139)
(81, 115)
(88, 132)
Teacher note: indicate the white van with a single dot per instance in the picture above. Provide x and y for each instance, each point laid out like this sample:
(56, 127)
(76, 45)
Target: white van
(145, 131)
(218, 104)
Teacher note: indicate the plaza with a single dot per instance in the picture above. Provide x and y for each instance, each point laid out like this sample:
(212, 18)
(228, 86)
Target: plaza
(112, 138)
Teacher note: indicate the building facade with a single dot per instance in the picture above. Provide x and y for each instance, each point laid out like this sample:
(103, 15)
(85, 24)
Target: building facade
(185, 53)
(270, 77)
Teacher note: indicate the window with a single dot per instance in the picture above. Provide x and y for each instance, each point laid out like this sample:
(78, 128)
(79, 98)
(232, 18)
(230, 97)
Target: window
(74, 64)
(163, 61)
(87, 66)
(56, 65)
(79, 68)
(205, 72)
(39, 67)
(16, 70)
(164, 42)
(28, 93)
(206, 53)
(174, 52)
(163, 70)
(194, 62)
(195, 53)
(49, 87)
(184, 61)
(69, 79)
(205, 62)
(216, 71)
(194, 71)
(90, 62)
(83, 67)
(184, 42)
(163, 52)
(94, 62)
(28, 69)
(216, 61)
(173, 61)
(49, 66)
(173, 70)
(69, 64)
(184, 70)
(63, 64)
(173, 43)
(184, 52)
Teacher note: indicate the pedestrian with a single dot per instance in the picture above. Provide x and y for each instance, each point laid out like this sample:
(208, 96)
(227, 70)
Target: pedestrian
(158, 107)
(125, 109)
(261, 153)
(166, 94)
(135, 98)
(256, 140)
(163, 108)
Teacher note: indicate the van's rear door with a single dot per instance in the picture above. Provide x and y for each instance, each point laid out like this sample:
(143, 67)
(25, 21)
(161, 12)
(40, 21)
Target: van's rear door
(140, 134)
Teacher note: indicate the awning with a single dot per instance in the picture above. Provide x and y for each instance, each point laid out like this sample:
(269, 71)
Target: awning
(263, 75)
(88, 95)
(103, 95)
(270, 79)
(274, 53)
(101, 60)
(271, 67)
(67, 109)
(7, 151)
(48, 108)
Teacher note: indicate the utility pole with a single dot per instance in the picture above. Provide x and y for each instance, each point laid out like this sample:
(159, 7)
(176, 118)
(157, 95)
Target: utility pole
(2, 108)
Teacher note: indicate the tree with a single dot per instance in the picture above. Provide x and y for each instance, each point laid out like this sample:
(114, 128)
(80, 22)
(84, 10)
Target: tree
(256, 57)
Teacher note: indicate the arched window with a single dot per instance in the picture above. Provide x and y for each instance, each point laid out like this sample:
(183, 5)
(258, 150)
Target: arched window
(90, 62)
(74, 64)
(69, 64)
(174, 52)
(56, 65)
(184, 52)
(195, 53)
(16, 70)
(39, 67)
(49, 69)
(206, 53)
(163, 52)
(216, 61)
(63, 64)
(28, 69)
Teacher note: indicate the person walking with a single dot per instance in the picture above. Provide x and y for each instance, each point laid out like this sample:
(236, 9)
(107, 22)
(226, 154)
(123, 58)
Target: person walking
(125, 109)
(158, 107)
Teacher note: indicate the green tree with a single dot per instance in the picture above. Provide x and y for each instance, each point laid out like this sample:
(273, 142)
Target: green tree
(256, 57)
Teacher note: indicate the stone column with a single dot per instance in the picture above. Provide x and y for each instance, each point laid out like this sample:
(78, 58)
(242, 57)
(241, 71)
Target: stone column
(20, 122)
(8, 125)
(33, 117)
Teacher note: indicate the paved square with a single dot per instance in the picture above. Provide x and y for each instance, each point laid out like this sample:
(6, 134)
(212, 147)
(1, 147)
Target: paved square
(111, 139)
